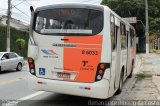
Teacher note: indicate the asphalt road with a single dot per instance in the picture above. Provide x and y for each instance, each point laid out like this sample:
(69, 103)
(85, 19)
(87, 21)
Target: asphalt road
(13, 86)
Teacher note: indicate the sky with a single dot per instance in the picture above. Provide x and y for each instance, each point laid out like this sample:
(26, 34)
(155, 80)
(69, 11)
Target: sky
(21, 8)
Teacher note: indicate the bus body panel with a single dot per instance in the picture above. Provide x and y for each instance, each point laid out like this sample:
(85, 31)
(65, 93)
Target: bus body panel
(96, 90)
(80, 59)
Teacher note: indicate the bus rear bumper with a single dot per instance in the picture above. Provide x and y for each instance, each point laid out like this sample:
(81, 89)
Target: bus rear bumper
(94, 90)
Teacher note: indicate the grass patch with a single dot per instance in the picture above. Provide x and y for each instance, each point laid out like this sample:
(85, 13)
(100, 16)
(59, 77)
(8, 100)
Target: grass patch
(155, 51)
(141, 76)
(152, 50)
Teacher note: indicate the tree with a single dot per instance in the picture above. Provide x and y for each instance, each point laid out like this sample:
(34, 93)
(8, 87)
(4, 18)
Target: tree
(20, 44)
(136, 8)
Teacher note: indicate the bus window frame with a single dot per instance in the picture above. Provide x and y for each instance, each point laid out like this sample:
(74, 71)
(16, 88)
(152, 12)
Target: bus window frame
(123, 33)
(114, 33)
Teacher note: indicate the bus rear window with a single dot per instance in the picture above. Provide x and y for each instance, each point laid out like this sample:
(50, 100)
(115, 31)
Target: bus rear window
(69, 21)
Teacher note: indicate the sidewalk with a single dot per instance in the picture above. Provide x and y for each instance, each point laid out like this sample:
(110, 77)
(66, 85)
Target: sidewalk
(151, 65)
(147, 85)
(156, 81)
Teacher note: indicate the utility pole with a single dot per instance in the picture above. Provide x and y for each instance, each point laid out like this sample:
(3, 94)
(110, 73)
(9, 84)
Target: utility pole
(8, 25)
(147, 27)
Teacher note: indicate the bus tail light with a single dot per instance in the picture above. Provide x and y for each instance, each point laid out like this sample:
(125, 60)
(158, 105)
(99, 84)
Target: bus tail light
(100, 70)
(31, 66)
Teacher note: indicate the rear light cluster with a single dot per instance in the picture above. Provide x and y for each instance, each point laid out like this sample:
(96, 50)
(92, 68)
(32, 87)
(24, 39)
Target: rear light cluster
(31, 66)
(100, 70)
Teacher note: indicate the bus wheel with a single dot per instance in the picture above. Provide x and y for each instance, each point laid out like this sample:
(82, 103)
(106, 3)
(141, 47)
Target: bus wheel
(130, 75)
(120, 84)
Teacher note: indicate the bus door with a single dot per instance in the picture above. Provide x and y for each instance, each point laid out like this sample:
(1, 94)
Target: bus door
(114, 39)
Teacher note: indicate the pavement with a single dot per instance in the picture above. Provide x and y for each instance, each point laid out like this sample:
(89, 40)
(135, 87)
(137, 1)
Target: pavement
(156, 81)
(13, 84)
(151, 65)
(147, 88)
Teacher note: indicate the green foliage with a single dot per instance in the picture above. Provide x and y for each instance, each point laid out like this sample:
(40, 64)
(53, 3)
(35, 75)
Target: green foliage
(141, 76)
(0, 23)
(3, 35)
(20, 43)
(136, 8)
(15, 34)
(155, 51)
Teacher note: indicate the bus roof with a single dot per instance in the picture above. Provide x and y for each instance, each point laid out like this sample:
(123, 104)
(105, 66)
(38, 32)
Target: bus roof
(70, 5)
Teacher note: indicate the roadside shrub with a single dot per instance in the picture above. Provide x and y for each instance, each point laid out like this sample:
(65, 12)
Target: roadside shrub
(15, 34)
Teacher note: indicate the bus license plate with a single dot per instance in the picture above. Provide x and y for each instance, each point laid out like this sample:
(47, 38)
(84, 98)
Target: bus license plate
(63, 75)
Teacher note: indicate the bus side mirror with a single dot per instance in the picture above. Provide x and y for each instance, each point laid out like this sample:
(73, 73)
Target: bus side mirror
(31, 9)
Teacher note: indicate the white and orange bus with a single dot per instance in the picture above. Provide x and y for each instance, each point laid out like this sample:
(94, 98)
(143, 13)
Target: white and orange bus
(80, 49)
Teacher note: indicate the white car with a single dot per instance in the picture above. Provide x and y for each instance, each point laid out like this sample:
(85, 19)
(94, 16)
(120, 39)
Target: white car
(10, 60)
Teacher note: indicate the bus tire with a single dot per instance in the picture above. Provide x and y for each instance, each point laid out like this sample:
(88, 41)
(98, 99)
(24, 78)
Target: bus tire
(120, 84)
(130, 75)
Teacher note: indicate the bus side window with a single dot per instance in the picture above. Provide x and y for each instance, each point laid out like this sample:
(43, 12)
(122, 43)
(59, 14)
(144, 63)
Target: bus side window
(123, 36)
(116, 33)
(39, 23)
(127, 38)
(113, 33)
(131, 37)
(132, 40)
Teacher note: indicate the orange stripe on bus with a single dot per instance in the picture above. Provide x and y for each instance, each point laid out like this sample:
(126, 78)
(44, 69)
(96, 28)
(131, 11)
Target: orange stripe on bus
(95, 39)
(77, 59)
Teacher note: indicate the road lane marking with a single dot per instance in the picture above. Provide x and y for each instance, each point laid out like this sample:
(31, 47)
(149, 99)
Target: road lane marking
(32, 95)
(15, 102)
(11, 81)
